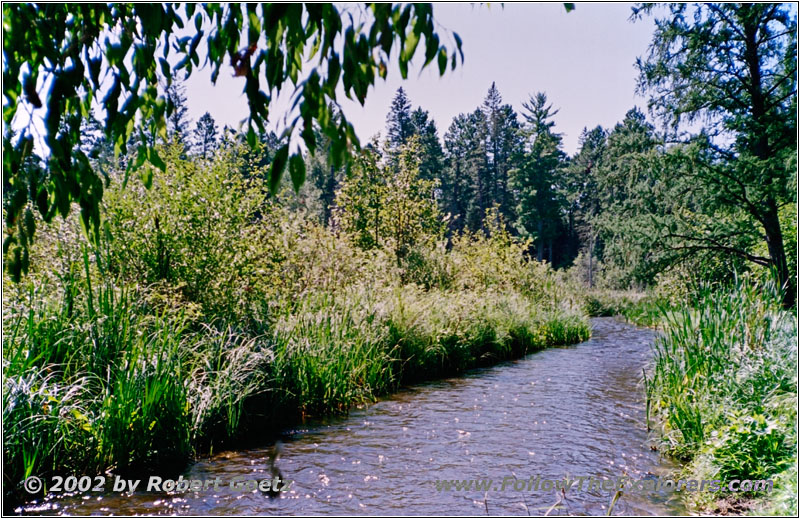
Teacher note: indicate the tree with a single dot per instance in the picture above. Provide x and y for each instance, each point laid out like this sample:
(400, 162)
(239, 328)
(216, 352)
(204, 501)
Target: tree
(733, 69)
(581, 193)
(410, 212)
(360, 199)
(534, 182)
(464, 188)
(399, 127)
(430, 147)
(325, 176)
(178, 120)
(403, 123)
(74, 48)
(635, 195)
(205, 135)
(392, 209)
(503, 147)
(457, 180)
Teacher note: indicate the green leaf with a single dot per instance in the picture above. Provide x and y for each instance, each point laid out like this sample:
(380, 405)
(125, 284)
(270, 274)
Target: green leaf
(442, 61)
(410, 47)
(458, 45)
(277, 167)
(165, 69)
(156, 160)
(147, 176)
(297, 169)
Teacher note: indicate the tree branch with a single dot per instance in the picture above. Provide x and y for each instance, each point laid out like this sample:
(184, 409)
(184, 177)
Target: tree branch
(759, 260)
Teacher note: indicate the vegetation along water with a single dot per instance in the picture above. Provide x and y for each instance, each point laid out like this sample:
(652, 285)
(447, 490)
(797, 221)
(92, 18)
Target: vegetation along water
(178, 297)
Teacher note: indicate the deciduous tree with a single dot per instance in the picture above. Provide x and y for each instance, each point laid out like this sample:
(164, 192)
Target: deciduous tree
(119, 54)
(732, 70)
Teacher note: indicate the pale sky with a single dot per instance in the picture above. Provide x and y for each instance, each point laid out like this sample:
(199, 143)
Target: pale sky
(584, 61)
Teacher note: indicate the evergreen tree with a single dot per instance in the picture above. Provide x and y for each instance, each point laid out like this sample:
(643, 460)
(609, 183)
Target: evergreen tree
(581, 194)
(535, 181)
(399, 126)
(205, 135)
(430, 147)
(178, 121)
(630, 186)
(503, 147)
(464, 182)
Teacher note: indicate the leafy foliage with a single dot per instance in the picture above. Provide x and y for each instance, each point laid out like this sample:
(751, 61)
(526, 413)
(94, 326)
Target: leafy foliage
(78, 50)
(390, 207)
(732, 67)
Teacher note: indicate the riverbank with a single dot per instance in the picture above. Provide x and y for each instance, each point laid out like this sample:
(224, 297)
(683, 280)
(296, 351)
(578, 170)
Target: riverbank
(172, 392)
(156, 344)
(524, 418)
(723, 389)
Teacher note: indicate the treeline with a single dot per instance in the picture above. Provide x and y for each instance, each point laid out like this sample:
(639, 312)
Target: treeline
(627, 207)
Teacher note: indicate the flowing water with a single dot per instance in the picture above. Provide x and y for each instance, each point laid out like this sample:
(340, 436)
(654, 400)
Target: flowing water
(562, 412)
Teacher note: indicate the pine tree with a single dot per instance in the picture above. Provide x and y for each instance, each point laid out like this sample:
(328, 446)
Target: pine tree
(580, 189)
(205, 135)
(431, 148)
(178, 121)
(535, 181)
(464, 187)
(503, 148)
(399, 127)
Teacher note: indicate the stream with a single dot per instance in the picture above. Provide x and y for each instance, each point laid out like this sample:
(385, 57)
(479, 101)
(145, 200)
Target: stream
(561, 412)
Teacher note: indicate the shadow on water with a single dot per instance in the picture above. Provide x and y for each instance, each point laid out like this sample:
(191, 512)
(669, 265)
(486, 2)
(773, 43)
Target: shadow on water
(562, 412)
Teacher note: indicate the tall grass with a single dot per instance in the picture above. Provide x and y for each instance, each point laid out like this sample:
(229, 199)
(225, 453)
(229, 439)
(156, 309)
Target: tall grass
(210, 315)
(166, 392)
(116, 382)
(724, 383)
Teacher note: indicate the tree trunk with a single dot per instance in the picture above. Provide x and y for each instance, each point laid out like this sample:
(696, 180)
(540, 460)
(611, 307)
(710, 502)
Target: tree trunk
(761, 149)
(777, 253)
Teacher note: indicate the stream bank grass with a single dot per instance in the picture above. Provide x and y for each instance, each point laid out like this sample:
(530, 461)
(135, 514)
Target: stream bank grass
(724, 385)
(107, 366)
(166, 392)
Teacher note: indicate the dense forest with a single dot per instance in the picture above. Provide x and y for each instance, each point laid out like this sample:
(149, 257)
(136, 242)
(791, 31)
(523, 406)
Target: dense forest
(147, 254)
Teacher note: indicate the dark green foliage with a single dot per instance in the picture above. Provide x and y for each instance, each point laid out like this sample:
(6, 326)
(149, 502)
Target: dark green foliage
(503, 145)
(402, 124)
(431, 155)
(75, 47)
(399, 127)
(463, 193)
(535, 180)
(582, 196)
(480, 151)
(732, 68)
